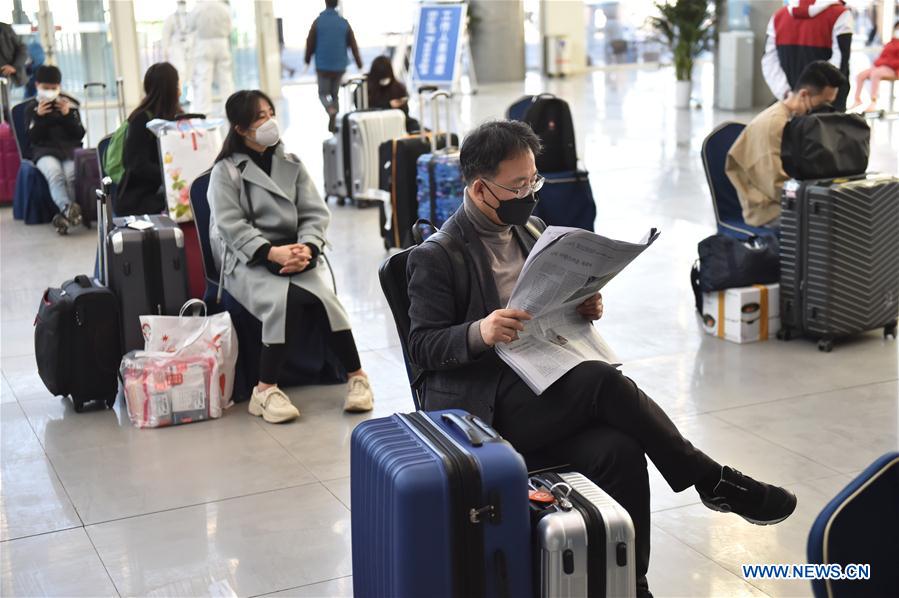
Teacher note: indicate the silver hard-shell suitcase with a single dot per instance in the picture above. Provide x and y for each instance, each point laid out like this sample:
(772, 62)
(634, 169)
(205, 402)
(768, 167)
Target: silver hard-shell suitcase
(584, 541)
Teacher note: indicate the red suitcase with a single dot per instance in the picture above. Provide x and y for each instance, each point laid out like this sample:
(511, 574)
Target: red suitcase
(9, 153)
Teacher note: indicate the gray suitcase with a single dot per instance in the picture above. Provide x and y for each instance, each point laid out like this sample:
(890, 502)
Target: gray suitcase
(839, 257)
(146, 269)
(583, 543)
(335, 186)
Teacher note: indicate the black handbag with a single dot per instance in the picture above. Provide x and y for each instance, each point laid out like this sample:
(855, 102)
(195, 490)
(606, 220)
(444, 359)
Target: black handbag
(725, 262)
(825, 145)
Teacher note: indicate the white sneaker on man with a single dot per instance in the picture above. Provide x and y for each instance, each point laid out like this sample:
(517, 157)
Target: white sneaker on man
(273, 405)
(359, 396)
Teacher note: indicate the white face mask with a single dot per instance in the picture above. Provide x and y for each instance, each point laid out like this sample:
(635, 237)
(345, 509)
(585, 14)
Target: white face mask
(268, 133)
(47, 95)
(385, 82)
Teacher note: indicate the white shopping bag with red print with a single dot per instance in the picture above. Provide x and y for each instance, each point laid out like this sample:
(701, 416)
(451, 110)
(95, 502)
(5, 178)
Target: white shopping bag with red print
(187, 148)
(199, 335)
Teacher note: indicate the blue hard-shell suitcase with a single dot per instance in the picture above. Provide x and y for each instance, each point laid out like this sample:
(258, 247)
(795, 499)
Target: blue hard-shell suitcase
(440, 509)
(566, 199)
(440, 186)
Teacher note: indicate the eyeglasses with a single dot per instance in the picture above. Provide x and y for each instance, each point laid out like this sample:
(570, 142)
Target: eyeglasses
(521, 192)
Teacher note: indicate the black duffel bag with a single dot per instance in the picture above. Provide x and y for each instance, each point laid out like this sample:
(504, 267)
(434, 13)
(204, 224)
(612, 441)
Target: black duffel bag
(824, 145)
(725, 263)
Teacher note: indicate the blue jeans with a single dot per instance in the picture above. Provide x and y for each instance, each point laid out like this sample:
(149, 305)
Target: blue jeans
(60, 177)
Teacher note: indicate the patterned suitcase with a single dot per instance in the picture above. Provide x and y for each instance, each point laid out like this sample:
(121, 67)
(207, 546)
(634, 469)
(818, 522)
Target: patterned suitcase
(439, 509)
(441, 189)
(839, 259)
(583, 542)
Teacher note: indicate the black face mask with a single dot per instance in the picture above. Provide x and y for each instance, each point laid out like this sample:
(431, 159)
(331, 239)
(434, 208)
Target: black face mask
(514, 212)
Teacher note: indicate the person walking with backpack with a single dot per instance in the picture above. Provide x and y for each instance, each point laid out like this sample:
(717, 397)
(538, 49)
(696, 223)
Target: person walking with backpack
(329, 39)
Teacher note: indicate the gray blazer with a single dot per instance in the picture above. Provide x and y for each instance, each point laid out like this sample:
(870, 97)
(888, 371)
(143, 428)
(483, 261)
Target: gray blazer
(286, 205)
(438, 336)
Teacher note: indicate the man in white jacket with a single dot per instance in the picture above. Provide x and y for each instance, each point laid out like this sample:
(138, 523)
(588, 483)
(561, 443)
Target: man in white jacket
(802, 32)
(211, 20)
(177, 42)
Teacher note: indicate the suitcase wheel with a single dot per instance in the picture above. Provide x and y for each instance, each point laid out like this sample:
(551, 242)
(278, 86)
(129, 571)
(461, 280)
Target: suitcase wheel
(825, 345)
(341, 201)
(785, 334)
(890, 330)
(79, 405)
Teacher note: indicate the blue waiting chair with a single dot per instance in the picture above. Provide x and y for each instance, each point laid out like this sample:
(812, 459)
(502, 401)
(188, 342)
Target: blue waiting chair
(728, 212)
(31, 201)
(861, 526)
(315, 363)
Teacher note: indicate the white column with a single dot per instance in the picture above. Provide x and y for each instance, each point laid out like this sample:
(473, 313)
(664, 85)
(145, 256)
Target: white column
(268, 50)
(566, 18)
(123, 30)
(887, 20)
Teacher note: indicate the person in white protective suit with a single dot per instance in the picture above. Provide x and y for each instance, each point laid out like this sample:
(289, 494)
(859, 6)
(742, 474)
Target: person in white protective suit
(210, 21)
(177, 43)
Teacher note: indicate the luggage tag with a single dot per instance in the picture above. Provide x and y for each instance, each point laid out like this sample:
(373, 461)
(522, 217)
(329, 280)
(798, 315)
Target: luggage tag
(140, 225)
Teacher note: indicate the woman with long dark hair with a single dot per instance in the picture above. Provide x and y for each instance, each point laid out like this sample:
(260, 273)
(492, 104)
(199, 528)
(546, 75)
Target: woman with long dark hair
(268, 229)
(141, 188)
(385, 92)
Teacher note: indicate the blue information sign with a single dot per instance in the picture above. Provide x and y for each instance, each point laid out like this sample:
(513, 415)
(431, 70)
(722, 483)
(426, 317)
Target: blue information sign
(438, 43)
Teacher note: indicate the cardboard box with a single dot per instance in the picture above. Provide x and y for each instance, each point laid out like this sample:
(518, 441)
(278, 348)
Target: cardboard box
(744, 314)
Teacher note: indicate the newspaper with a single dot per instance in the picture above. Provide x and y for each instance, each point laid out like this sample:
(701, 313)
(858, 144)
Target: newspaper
(565, 267)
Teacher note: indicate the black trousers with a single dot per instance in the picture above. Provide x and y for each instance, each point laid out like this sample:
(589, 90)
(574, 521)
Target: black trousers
(600, 423)
(303, 304)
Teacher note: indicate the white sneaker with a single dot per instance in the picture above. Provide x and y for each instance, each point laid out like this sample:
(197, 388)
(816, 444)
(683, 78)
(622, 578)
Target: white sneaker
(359, 397)
(273, 405)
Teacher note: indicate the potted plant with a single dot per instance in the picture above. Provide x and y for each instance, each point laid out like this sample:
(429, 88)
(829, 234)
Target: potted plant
(687, 27)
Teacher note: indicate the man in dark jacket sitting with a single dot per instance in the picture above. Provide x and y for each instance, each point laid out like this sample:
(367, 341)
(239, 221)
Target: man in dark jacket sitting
(593, 418)
(55, 130)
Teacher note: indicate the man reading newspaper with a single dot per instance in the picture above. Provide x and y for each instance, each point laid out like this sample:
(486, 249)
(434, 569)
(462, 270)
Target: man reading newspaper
(591, 416)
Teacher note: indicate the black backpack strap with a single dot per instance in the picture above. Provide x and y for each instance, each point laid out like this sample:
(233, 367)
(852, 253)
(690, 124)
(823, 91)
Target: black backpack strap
(460, 268)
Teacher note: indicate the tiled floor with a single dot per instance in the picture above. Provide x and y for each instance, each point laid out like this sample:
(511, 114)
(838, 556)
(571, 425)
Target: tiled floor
(90, 506)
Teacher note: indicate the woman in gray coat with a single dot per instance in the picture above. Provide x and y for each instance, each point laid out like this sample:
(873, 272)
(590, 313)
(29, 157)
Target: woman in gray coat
(268, 226)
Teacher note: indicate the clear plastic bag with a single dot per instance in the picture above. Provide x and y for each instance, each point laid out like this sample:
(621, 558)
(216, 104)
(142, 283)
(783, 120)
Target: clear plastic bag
(164, 390)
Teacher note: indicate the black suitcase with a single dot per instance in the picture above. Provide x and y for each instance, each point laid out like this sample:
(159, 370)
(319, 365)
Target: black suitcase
(146, 270)
(398, 159)
(839, 257)
(76, 341)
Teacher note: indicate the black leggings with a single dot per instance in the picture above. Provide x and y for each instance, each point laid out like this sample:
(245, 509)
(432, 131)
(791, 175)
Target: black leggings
(301, 303)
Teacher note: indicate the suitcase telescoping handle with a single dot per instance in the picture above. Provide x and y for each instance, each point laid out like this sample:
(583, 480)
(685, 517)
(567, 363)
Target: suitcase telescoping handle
(435, 101)
(102, 229)
(356, 86)
(424, 89)
(475, 431)
(4, 98)
(120, 98)
(87, 87)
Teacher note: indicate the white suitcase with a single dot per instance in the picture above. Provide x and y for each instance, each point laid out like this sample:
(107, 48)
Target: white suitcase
(584, 541)
(367, 131)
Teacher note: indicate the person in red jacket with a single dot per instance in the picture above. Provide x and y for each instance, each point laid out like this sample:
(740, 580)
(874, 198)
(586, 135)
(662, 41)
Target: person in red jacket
(886, 67)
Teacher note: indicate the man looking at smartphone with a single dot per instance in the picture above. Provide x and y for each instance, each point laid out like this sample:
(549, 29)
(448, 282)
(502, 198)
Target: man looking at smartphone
(55, 130)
